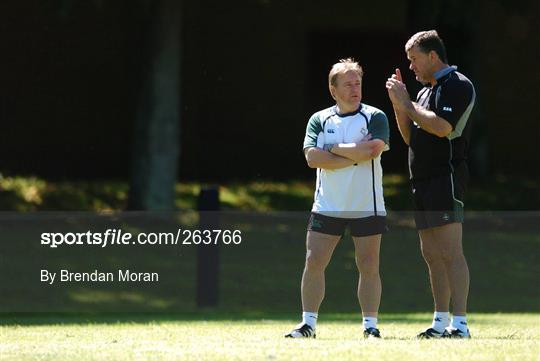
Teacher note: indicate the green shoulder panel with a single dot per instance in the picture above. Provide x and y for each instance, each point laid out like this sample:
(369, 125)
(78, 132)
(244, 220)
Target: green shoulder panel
(378, 127)
(313, 129)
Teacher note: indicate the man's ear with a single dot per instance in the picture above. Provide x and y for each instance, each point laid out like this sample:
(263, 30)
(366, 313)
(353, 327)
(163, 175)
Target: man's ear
(332, 90)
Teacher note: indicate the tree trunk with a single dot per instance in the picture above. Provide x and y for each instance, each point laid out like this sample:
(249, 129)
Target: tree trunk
(157, 125)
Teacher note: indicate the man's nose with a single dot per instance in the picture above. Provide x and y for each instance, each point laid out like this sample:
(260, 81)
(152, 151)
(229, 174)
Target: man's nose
(411, 67)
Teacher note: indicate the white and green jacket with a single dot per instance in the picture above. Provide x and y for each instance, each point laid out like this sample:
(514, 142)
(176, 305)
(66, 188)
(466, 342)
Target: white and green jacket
(355, 191)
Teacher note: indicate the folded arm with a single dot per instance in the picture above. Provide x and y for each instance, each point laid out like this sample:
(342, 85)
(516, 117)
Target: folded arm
(407, 111)
(427, 120)
(319, 158)
(359, 152)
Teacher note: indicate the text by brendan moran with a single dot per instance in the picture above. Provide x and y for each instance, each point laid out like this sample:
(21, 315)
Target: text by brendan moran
(98, 276)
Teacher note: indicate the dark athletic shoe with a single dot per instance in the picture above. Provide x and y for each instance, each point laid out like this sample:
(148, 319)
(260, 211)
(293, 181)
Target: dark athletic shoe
(372, 332)
(456, 333)
(431, 333)
(304, 331)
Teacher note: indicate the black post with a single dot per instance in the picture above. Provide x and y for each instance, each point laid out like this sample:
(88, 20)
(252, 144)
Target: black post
(208, 254)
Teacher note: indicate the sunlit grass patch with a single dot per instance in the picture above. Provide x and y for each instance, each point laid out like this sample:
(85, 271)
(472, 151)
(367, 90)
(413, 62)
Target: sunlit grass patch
(37, 194)
(496, 337)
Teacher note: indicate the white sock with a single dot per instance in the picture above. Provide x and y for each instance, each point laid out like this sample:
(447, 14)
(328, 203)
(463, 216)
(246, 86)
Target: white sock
(310, 318)
(441, 320)
(369, 322)
(459, 322)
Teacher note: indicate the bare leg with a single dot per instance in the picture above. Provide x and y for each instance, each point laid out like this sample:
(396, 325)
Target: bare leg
(369, 282)
(432, 253)
(449, 238)
(319, 249)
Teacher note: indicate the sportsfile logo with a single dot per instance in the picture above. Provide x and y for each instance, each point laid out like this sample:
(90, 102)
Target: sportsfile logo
(112, 237)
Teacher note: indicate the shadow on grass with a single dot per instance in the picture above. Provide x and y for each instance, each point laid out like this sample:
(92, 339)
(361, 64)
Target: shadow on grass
(205, 315)
(259, 279)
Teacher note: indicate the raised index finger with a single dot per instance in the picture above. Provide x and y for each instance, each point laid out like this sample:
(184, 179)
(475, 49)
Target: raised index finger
(398, 74)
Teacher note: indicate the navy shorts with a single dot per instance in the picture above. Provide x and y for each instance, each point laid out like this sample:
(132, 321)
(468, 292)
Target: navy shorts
(359, 227)
(438, 201)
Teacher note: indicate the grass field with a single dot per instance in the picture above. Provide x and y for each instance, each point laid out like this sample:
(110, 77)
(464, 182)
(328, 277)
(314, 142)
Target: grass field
(259, 282)
(495, 337)
(264, 271)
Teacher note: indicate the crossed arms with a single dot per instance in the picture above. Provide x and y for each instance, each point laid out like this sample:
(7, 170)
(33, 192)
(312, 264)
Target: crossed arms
(337, 156)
